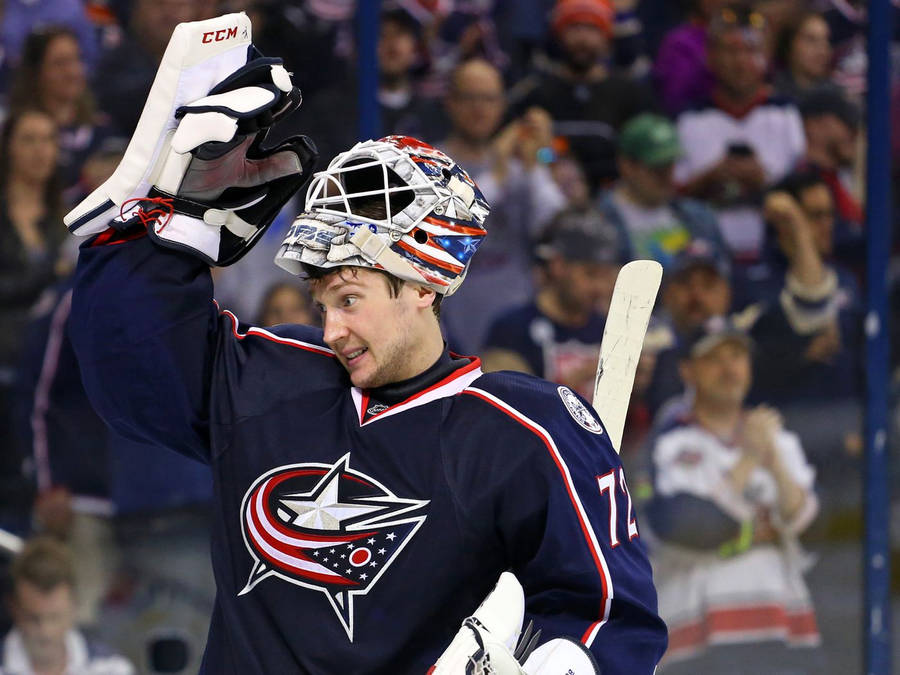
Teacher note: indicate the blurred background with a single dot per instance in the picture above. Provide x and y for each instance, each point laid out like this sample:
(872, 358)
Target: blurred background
(725, 140)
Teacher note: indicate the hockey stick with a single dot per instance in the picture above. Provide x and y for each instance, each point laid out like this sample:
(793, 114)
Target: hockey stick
(623, 338)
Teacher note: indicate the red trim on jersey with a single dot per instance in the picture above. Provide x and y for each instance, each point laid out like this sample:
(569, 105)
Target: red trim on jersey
(475, 363)
(290, 342)
(111, 236)
(590, 629)
(570, 490)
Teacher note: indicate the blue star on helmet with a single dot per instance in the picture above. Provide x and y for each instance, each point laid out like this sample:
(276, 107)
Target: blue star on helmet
(461, 248)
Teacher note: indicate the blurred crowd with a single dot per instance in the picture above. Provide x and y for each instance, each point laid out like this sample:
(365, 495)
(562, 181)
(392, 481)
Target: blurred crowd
(723, 139)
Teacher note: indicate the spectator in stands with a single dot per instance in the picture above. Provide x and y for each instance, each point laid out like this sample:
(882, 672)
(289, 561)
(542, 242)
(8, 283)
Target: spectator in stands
(30, 236)
(732, 490)
(125, 73)
(18, 18)
(680, 72)
(331, 117)
(831, 123)
(44, 638)
(286, 302)
(697, 287)
(556, 334)
(52, 78)
(849, 23)
(801, 211)
(742, 139)
(314, 39)
(803, 55)
(506, 164)
(588, 102)
(644, 204)
(570, 178)
(789, 306)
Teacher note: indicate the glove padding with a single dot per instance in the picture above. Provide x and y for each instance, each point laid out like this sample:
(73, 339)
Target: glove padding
(491, 642)
(486, 642)
(205, 183)
(561, 656)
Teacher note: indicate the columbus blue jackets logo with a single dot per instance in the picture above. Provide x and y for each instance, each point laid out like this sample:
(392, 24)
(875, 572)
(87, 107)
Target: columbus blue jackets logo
(325, 527)
(579, 411)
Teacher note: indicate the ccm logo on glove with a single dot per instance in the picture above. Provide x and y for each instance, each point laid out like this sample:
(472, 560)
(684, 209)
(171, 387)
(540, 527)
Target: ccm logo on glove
(219, 35)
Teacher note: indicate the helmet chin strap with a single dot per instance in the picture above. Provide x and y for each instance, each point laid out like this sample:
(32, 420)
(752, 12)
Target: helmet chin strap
(374, 247)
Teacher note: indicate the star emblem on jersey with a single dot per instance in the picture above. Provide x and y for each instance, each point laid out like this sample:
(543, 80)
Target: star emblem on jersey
(325, 527)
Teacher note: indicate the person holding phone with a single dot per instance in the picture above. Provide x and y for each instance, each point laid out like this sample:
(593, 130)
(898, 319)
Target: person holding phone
(743, 139)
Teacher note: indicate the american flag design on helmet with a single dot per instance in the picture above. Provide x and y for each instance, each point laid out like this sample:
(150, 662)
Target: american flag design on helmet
(327, 528)
(432, 220)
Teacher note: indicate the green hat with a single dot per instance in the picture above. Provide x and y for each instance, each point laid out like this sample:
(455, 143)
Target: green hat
(650, 139)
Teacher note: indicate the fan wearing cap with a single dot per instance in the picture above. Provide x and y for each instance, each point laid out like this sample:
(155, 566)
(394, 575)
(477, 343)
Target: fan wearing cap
(557, 334)
(588, 101)
(732, 490)
(370, 486)
(786, 306)
(644, 202)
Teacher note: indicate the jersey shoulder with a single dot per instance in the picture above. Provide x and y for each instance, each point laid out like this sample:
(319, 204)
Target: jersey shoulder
(553, 413)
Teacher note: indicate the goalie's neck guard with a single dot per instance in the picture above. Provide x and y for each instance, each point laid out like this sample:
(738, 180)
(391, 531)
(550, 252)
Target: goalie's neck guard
(395, 204)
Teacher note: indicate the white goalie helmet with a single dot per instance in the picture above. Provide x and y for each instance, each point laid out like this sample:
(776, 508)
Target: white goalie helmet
(396, 204)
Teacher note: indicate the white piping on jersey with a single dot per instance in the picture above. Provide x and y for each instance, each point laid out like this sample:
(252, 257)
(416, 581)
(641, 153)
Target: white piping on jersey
(594, 628)
(451, 388)
(263, 333)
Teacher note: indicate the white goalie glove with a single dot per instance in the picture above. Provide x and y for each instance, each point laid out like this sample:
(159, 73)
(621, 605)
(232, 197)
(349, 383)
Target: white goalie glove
(196, 172)
(491, 642)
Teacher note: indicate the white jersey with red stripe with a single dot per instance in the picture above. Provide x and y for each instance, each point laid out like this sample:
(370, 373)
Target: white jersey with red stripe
(716, 597)
(353, 535)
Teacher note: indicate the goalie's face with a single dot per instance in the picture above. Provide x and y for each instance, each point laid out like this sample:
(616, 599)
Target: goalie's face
(380, 334)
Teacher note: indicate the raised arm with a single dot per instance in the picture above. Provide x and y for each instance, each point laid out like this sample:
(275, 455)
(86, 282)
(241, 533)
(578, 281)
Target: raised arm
(142, 326)
(195, 187)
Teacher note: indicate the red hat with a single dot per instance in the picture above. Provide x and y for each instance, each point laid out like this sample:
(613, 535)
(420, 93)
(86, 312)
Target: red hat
(599, 13)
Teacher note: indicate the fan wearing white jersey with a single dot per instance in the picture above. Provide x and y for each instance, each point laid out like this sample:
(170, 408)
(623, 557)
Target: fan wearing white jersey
(732, 491)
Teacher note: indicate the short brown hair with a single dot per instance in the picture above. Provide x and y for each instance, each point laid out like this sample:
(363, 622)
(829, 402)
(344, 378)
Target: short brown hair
(44, 563)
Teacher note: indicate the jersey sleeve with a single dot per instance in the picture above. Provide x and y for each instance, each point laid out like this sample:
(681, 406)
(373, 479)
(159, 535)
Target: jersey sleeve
(142, 326)
(160, 363)
(569, 532)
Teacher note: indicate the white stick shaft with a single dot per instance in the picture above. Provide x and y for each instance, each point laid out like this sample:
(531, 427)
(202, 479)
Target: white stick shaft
(623, 338)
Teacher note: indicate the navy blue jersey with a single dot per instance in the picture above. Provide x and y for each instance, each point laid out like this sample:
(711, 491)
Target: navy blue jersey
(351, 542)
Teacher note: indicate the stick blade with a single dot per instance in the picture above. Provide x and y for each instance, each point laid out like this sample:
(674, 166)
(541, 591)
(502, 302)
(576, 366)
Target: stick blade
(623, 338)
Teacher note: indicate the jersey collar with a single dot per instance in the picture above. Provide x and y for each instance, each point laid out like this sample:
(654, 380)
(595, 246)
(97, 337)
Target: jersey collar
(431, 385)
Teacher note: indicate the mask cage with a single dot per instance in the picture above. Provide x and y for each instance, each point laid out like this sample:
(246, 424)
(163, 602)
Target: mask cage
(375, 185)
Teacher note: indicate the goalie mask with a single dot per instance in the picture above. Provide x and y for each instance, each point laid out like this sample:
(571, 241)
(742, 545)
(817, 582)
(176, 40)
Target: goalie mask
(395, 204)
